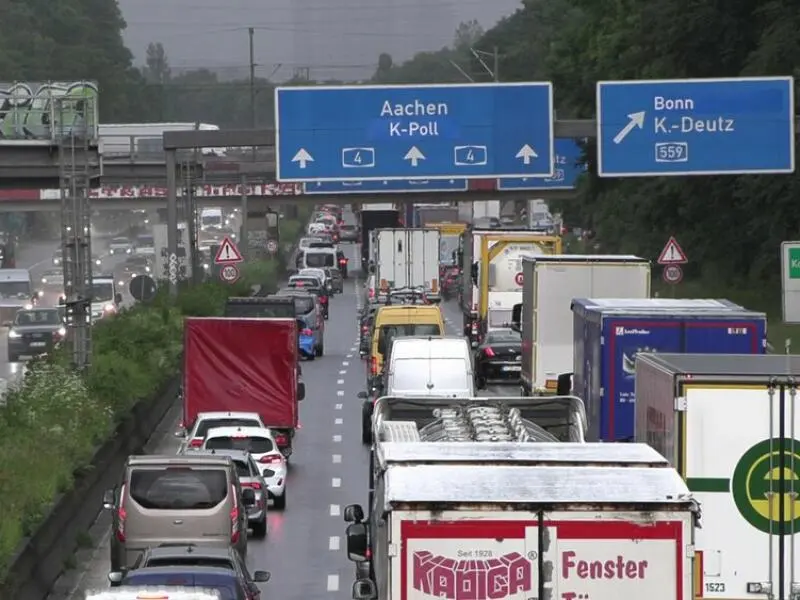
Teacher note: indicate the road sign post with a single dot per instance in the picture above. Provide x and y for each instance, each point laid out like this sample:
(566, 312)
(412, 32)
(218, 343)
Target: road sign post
(567, 167)
(790, 281)
(471, 131)
(386, 186)
(695, 127)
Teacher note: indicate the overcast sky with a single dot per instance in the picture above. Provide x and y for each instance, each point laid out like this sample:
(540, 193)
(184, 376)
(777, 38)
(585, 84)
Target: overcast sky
(336, 39)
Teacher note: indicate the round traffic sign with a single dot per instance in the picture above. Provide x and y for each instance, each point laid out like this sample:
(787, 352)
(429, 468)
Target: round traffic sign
(229, 273)
(673, 274)
(519, 278)
(272, 246)
(142, 288)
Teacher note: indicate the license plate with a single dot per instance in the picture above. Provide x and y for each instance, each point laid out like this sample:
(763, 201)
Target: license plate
(512, 368)
(38, 344)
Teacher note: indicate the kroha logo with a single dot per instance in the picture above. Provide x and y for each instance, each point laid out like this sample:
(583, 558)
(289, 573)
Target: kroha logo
(758, 483)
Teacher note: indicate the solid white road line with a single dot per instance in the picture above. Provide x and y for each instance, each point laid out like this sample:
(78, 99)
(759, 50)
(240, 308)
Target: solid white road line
(336, 482)
(333, 583)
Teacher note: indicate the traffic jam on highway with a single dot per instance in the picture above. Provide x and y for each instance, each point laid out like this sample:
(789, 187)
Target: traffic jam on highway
(440, 402)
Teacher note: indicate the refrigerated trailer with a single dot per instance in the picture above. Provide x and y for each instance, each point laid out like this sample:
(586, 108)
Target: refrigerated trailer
(545, 317)
(730, 426)
(513, 520)
(408, 259)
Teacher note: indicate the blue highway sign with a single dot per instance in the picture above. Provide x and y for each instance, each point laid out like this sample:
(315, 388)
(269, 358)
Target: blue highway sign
(568, 167)
(695, 127)
(386, 186)
(472, 131)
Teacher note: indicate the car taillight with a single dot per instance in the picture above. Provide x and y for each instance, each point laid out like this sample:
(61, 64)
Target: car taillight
(271, 459)
(122, 515)
(371, 292)
(252, 485)
(364, 329)
(488, 352)
(235, 532)
(306, 332)
(323, 299)
(196, 443)
(374, 366)
(281, 439)
(342, 261)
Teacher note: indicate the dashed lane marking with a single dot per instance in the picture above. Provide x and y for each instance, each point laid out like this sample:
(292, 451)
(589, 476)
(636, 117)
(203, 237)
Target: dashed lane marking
(337, 459)
(338, 421)
(338, 407)
(343, 372)
(336, 482)
(333, 543)
(333, 583)
(345, 363)
(337, 439)
(349, 356)
(339, 381)
(335, 510)
(340, 393)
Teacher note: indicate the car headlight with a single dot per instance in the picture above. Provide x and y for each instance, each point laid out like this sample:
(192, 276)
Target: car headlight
(121, 282)
(128, 251)
(40, 293)
(147, 269)
(28, 306)
(62, 331)
(98, 262)
(206, 266)
(44, 281)
(13, 334)
(109, 308)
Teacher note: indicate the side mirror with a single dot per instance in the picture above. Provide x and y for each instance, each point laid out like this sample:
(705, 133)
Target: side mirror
(364, 589)
(115, 578)
(109, 499)
(357, 542)
(301, 391)
(353, 513)
(363, 395)
(180, 433)
(564, 385)
(118, 298)
(248, 496)
(261, 576)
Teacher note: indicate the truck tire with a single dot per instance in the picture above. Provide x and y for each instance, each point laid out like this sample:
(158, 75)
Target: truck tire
(366, 423)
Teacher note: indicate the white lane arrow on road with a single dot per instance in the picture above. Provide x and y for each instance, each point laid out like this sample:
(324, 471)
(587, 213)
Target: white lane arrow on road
(302, 157)
(634, 120)
(526, 153)
(414, 155)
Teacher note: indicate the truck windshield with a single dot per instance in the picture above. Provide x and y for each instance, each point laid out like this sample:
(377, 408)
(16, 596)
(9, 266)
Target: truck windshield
(443, 374)
(448, 249)
(102, 291)
(15, 289)
(390, 332)
(320, 259)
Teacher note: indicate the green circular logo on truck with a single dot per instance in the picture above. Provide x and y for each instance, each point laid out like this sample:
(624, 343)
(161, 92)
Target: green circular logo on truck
(759, 480)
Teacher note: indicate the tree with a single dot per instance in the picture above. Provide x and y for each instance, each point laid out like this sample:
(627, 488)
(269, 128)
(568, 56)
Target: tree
(156, 68)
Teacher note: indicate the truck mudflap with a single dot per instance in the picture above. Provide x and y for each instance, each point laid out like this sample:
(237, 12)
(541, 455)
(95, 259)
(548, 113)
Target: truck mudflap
(577, 558)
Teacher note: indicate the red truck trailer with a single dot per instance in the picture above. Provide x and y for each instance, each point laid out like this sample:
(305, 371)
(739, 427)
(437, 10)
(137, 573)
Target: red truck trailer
(243, 365)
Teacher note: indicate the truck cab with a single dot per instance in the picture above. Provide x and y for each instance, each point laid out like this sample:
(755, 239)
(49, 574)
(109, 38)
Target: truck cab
(106, 300)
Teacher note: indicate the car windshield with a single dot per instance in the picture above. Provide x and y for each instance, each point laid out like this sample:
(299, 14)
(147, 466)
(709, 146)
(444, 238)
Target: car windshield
(503, 337)
(206, 424)
(304, 282)
(15, 289)
(54, 274)
(102, 291)
(307, 241)
(303, 305)
(139, 261)
(253, 444)
(439, 373)
(120, 241)
(190, 561)
(37, 317)
(224, 584)
(390, 332)
(178, 488)
(145, 241)
(320, 259)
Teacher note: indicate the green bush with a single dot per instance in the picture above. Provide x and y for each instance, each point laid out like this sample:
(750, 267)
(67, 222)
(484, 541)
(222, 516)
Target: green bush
(55, 419)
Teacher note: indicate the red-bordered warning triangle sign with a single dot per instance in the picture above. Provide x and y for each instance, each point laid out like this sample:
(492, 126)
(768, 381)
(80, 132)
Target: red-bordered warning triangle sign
(672, 254)
(228, 253)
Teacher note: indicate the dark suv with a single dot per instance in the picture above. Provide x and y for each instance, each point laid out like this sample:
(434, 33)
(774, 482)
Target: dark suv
(308, 309)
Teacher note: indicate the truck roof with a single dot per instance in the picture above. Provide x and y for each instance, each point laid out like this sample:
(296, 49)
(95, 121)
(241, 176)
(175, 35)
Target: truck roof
(729, 367)
(604, 258)
(568, 485)
(545, 419)
(649, 304)
(516, 453)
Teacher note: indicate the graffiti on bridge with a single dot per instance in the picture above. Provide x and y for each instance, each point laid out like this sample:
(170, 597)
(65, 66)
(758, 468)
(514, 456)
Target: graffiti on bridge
(48, 110)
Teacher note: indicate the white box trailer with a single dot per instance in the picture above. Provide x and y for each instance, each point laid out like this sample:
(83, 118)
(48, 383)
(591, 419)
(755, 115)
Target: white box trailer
(517, 520)
(546, 320)
(729, 424)
(408, 259)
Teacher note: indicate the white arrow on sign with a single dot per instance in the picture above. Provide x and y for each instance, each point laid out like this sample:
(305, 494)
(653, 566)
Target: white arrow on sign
(634, 120)
(302, 157)
(414, 155)
(526, 153)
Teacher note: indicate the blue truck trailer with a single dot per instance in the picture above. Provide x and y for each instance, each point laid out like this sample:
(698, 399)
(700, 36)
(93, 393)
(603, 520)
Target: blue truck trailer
(608, 333)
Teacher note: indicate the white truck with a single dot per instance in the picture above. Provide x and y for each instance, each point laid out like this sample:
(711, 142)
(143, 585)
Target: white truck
(513, 520)
(545, 318)
(135, 139)
(489, 294)
(729, 424)
(408, 259)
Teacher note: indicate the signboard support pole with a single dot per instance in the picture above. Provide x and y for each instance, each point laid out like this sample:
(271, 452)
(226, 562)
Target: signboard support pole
(243, 241)
(172, 215)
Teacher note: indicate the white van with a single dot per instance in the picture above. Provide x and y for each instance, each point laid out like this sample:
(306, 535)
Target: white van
(318, 258)
(105, 297)
(16, 293)
(430, 366)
